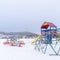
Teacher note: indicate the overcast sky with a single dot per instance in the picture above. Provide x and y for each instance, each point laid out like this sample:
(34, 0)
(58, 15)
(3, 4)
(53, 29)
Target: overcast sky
(28, 15)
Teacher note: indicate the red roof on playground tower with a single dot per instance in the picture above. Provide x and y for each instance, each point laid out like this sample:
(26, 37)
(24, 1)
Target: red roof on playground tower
(47, 24)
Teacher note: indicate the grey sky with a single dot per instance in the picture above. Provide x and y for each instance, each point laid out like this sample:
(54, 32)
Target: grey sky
(28, 15)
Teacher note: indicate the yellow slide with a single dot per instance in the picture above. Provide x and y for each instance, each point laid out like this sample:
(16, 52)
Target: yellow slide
(36, 39)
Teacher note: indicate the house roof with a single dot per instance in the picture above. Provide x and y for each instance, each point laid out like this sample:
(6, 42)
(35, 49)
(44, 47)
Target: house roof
(47, 24)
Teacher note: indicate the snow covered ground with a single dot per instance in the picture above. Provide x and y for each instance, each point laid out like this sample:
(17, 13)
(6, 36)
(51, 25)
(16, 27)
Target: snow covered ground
(26, 52)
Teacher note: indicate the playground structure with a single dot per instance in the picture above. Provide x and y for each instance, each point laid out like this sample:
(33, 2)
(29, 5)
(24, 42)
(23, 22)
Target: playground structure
(48, 37)
(14, 42)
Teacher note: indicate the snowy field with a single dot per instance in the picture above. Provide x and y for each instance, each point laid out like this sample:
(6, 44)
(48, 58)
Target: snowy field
(26, 52)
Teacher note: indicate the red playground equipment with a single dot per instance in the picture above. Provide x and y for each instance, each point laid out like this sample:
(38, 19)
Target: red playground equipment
(14, 42)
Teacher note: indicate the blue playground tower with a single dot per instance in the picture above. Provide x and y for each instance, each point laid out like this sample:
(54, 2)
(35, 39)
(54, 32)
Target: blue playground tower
(48, 32)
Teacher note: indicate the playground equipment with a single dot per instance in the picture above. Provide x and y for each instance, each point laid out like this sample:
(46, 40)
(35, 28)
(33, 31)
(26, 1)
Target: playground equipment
(48, 37)
(36, 39)
(14, 42)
